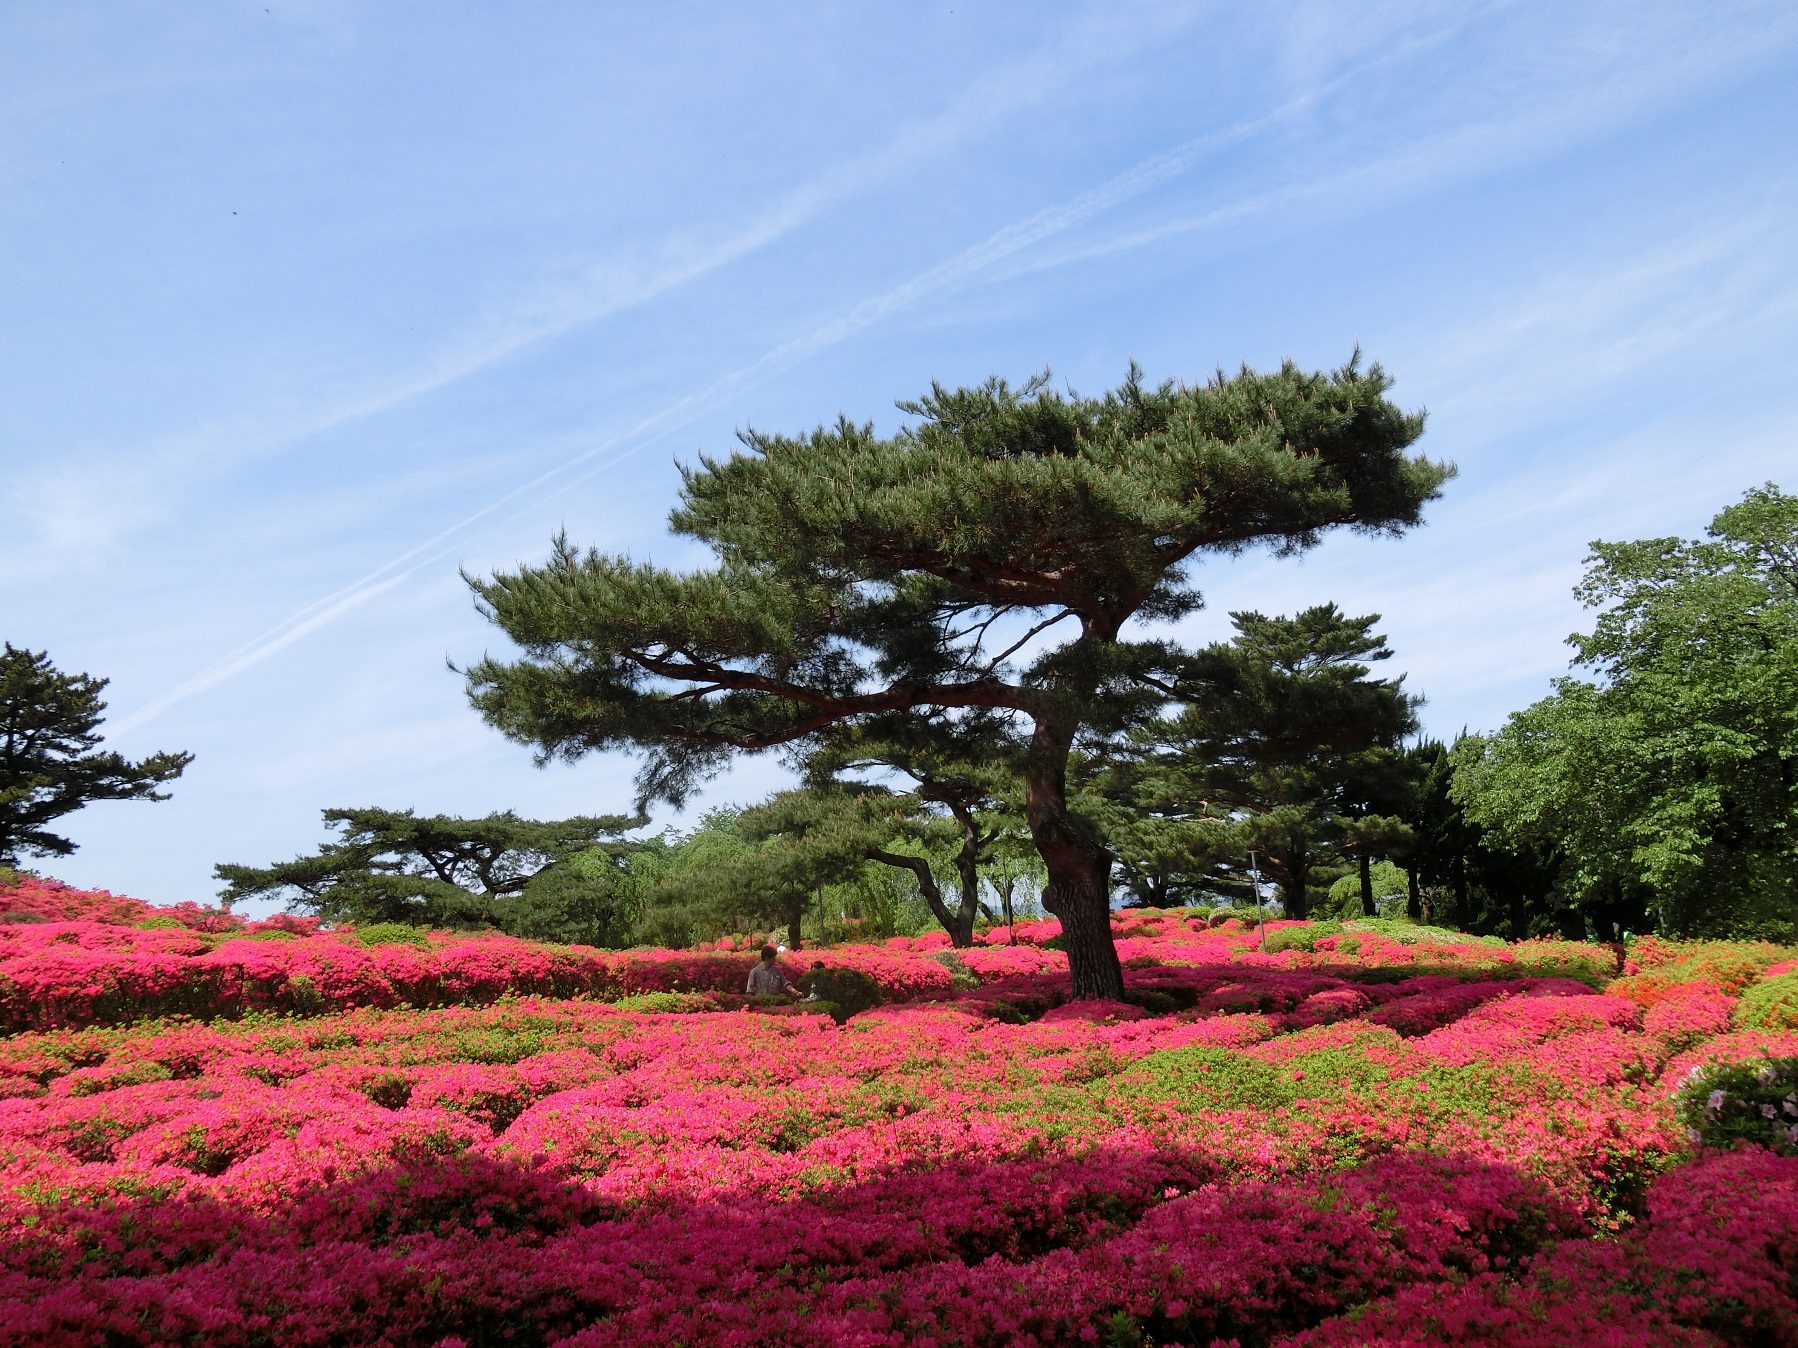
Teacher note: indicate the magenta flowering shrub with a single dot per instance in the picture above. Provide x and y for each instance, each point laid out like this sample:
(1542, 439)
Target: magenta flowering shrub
(36, 898)
(1711, 1262)
(207, 1137)
(77, 973)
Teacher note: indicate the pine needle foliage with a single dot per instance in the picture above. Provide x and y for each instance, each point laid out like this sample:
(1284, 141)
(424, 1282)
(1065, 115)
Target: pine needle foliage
(986, 556)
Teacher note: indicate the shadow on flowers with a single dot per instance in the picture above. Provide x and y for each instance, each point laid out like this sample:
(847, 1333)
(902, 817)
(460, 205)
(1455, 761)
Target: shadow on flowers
(1117, 1245)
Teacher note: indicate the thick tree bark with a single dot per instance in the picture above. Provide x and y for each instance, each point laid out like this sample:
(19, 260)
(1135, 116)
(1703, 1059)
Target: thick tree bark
(1079, 894)
(1079, 868)
(1368, 907)
(1413, 894)
(1294, 898)
(967, 869)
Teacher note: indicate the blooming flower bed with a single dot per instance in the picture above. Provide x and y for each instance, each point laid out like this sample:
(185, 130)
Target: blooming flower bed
(213, 1133)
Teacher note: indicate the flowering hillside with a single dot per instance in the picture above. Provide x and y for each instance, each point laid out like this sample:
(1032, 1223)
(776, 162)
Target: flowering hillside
(255, 1133)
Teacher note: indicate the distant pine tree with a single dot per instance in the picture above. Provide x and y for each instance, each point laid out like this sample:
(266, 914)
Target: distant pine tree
(50, 760)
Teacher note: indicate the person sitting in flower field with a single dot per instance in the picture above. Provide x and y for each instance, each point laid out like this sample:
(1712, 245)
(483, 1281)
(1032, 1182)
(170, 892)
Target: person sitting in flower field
(767, 978)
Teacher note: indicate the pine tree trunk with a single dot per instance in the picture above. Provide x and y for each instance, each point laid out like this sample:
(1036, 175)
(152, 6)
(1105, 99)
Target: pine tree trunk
(1368, 907)
(1295, 900)
(967, 869)
(958, 922)
(1079, 868)
(1080, 896)
(1413, 894)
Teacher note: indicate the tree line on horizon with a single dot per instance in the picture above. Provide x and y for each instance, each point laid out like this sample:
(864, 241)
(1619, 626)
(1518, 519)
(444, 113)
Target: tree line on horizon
(930, 626)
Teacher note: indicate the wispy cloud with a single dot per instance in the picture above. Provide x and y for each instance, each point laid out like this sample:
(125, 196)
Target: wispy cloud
(1543, 112)
(1719, 286)
(943, 278)
(134, 487)
(1451, 154)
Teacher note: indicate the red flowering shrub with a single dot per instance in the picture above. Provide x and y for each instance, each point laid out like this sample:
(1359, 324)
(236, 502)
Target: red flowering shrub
(268, 1134)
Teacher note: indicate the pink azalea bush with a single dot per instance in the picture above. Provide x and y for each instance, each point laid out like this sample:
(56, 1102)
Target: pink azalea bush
(234, 1134)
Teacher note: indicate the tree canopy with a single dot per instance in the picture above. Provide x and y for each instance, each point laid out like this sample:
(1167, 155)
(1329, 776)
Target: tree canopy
(1669, 780)
(51, 763)
(988, 555)
(1284, 744)
(944, 785)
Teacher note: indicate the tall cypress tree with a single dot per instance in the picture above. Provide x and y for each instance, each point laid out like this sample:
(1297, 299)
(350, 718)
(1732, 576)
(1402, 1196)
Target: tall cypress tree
(988, 556)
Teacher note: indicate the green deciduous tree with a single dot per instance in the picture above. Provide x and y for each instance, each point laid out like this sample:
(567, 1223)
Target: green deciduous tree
(50, 760)
(1670, 779)
(564, 879)
(766, 865)
(988, 556)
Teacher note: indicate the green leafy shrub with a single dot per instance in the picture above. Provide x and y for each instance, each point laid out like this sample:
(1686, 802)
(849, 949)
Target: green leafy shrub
(390, 1090)
(961, 978)
(672, 1003)
(846, 991)
(1723, 1104)
(158, 923)
(1209, 1078)
(1301, 938)
(1416, 933)
(391, 933)
(501, 1044)
(302, 995)
(132, 1074)
(272, 934)
(1771, 1004)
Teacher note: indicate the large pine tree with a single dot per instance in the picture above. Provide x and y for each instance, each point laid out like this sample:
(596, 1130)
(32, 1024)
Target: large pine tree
(990, 555)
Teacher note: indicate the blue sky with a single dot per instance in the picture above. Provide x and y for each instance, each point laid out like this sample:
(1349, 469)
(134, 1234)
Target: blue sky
(304, 306)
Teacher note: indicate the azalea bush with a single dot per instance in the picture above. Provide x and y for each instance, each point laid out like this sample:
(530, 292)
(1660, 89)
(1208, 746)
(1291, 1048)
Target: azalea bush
(254, 1135)
(1756, 1102)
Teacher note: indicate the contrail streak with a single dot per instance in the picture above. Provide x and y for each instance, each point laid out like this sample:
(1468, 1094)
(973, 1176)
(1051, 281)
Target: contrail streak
(945, 277)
